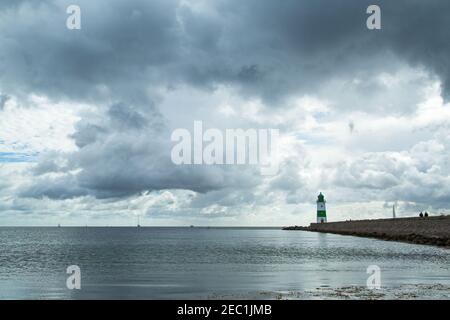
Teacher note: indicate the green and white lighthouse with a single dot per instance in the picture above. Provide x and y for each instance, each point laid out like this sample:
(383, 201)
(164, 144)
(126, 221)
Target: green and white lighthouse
(321, 210)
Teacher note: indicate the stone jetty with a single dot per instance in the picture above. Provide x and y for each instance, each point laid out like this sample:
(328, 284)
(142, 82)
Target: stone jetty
(430, 230)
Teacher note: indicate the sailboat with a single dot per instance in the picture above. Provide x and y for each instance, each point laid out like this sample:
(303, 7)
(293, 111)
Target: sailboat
(393, 211)
(138, 224)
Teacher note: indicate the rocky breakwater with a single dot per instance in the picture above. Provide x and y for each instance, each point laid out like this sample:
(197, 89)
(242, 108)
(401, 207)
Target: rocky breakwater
(430, 230)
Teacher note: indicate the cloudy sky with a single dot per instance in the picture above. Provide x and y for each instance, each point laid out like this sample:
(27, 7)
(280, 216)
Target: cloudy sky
(86, 115)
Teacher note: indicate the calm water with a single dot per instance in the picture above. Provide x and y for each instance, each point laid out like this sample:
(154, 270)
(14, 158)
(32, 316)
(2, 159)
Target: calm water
(172, 263)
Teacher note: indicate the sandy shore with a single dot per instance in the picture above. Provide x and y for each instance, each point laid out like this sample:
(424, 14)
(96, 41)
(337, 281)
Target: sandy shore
(430, 230)
(403, 292)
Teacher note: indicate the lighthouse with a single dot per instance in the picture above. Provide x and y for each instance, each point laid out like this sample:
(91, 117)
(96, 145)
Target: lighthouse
(321, 210)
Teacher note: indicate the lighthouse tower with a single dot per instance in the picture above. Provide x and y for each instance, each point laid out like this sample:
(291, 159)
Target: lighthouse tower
(321, 210)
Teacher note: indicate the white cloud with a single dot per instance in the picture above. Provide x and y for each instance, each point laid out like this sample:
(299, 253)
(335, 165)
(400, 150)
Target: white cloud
(40, 126)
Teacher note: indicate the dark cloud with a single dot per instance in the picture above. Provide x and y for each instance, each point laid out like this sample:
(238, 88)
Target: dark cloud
(124, 153)
(54, 188)
(116, 50)
(265, 48)
(3, 99)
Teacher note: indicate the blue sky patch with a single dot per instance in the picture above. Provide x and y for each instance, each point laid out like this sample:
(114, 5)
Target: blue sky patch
(8, 157)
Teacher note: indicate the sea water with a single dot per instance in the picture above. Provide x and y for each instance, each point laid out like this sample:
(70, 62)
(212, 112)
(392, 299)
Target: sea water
(202, 263)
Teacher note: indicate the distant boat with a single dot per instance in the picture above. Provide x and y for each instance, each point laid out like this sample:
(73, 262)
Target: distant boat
(191, 226)
(59, 226)
(138, 224)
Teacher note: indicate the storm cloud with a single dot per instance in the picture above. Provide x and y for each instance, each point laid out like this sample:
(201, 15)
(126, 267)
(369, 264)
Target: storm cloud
(354, 106)
(265, 48)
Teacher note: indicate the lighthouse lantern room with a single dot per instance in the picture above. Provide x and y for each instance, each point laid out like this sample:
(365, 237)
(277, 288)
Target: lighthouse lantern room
(321, 210)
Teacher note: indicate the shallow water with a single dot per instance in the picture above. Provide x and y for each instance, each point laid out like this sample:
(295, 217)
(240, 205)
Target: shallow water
(184, 263)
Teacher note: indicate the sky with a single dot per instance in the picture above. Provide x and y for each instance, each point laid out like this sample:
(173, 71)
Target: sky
(86, 116)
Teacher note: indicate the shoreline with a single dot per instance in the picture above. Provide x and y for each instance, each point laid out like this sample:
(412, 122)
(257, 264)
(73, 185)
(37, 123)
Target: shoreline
(429, 231)
(420, 291)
